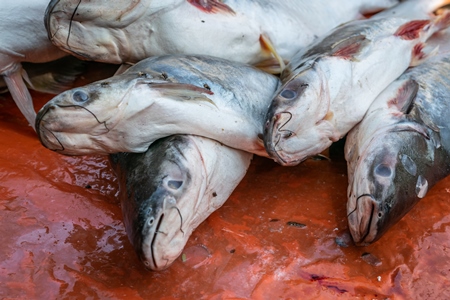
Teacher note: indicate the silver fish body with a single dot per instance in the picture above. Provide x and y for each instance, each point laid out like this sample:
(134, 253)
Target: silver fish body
(130, 31)
(399, 150)
(327, 88)
(158, 97)
(23, 38)
(170, 189)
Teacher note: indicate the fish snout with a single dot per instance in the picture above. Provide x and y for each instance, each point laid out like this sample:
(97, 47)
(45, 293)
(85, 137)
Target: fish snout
(165, 238)
(48, 12)
(275, 135)
(363, 219)
(46, 136)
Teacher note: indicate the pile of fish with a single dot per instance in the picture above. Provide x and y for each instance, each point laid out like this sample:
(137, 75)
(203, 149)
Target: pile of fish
(182, 123)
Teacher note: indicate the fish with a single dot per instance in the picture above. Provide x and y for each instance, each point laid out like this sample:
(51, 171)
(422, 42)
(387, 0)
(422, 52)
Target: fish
(264, 33)
(23, 38)
(399, 150)
(167, 191)
(328, 87)
(157, 97)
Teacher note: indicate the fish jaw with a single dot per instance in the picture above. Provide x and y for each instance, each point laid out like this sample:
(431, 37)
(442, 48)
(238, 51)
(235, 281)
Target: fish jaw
(363, 218)
(162, 238)
(70, 24)
(299, 123)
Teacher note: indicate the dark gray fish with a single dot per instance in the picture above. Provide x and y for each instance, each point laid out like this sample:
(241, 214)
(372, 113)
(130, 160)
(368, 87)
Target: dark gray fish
(169, 190)
(399, 150)
(158, 97)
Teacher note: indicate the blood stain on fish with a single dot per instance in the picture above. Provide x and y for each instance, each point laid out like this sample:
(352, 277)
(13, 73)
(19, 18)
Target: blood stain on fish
(211, 6)
(411, 30)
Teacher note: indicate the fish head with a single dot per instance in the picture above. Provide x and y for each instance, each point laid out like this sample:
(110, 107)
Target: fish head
(298, 120)
(80, 121)
(388, 180)
(93, 30)
(159, 198)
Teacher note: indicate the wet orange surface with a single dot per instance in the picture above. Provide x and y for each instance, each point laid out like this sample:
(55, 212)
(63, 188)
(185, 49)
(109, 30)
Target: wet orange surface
(281, 235)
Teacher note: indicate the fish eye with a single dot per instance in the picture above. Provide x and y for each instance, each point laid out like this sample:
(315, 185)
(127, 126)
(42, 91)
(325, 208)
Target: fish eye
(288, 94)
(151, 221)
(174, 184)
(383, 170)
(80, 96)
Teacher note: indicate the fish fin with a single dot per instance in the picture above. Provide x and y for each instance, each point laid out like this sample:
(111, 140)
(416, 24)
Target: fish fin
(442, 21)
(349, 48)
(212, 6)
(26, 78)
(271, 66)
(420, 53)
(54, 77)
(21, 95)
(267, 45)
(412, 29)
(411, 126)
(183, 91)
(123, 67)
(406, 94)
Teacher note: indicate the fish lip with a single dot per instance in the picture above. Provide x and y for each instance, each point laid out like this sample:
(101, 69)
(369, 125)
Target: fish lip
(150, 261)
(48, 12)
(364, 234)
(272, 137)
(40, 129)
(155, 265)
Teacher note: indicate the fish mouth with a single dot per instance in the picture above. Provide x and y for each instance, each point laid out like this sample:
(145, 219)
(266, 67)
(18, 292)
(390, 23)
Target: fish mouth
(47, 137)
(165, 245)
(275, 134)
(363, 219)
(151, 264)
(54, 132)
(48, 12)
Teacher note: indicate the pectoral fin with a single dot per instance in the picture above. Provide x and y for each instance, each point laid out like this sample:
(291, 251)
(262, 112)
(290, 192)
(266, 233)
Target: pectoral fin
(54, 77)
(122, 68)
(406, 94)
(271, 66)
(267, 45)
(21, 95)
(183, 91)
(350, 47)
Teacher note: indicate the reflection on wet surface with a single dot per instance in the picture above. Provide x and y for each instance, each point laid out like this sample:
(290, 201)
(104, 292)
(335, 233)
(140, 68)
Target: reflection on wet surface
(283, 233)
